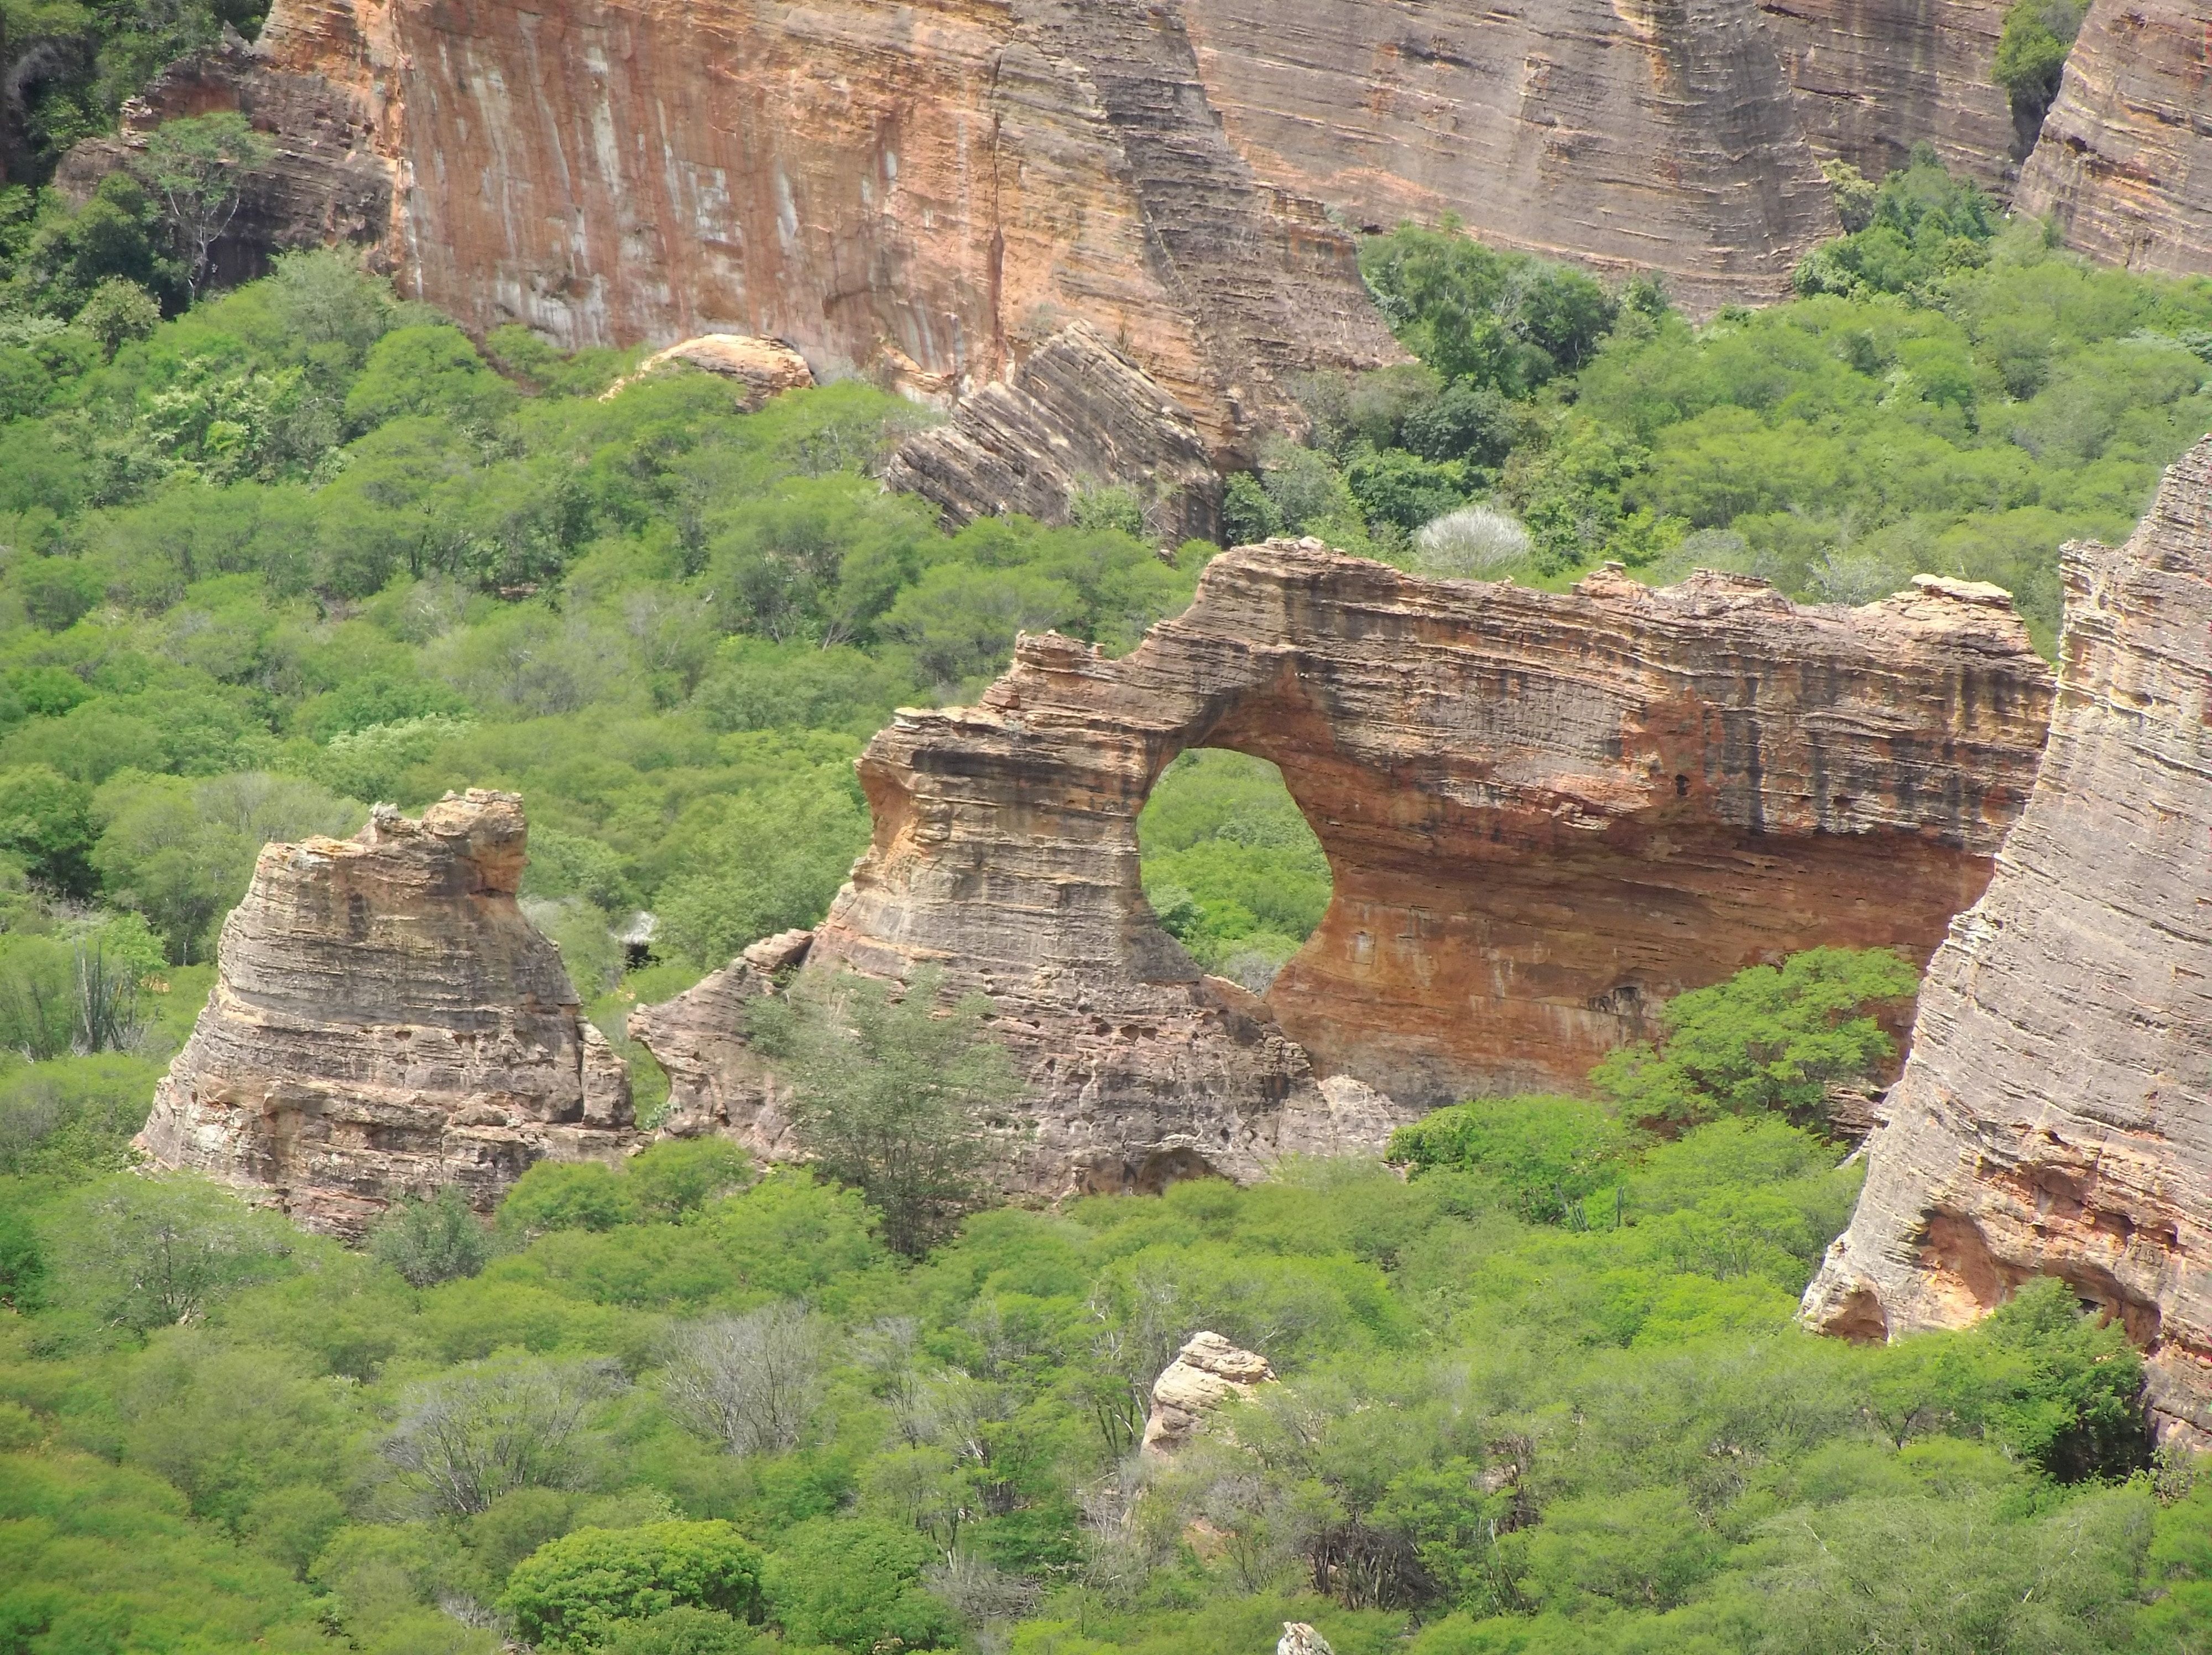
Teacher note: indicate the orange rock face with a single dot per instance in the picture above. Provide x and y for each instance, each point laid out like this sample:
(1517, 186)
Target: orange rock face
(2055, 1118)
(921, 191)
(926, 192)
(1544, 814)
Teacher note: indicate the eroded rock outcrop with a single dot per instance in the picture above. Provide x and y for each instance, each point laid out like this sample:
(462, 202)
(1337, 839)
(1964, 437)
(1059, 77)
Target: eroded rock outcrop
(930, 191)
(1079, 415)
(2055, 1117)
(386, 1022)
(1205, 1373)
(331, 181)
(1543, 813)
(2124, 163)
(758, 369)
(1627, 137)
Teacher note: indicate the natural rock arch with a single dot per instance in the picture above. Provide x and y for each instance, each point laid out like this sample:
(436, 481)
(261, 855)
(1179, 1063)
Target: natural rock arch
(1544, 813)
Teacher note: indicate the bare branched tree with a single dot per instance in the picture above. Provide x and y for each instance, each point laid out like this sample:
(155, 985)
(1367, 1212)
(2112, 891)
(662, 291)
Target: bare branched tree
(751, 1381)
(495, 1427)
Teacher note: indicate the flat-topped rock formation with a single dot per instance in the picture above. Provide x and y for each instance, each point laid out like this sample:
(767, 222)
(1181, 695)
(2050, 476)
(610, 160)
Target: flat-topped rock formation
(2055, 1117)
(2124, 163)
(386, 1022)
(1544, 815)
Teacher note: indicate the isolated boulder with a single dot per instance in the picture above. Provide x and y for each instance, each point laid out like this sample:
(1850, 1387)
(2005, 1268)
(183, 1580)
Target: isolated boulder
(1207, 1373)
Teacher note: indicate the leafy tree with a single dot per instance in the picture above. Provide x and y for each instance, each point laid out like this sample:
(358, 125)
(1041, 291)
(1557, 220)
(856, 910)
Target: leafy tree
(675, 1178)
(574, 1593)
(145, 1253)
(58, 592)
(117, 312)
(432, 1241)
(906, 1102)
(855, 1585)
(196, 167)
(1549, 1154)
(2032, 54)
(683, 1632)
(1771, 1037)
(565, 1196)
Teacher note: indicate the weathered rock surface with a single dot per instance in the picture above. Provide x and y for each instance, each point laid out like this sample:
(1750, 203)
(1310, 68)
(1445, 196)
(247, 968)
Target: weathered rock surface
(2124, 163)
(2055, 1117)
(1543, 814)
(928, 192)
(1299, 1639)
(332, 180)
(1625, 136)
(1874, 77)
(1207, 1373)
(1078, 414)
(761, 368)
(386, 1022)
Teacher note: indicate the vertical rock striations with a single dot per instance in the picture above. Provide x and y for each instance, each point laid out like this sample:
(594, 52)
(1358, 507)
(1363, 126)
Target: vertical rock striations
(2055, 1118)
(385, 1022)
(1543, 814)
(2124, 163)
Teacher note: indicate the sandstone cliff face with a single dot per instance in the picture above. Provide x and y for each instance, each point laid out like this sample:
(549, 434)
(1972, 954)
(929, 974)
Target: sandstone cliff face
(2055, 1117)
(386, 1022)
(331, 181)
(1077, 415)
(2124, 163)
(1543, 814)
(1874, 77)
(1625, 136)
(929, 191)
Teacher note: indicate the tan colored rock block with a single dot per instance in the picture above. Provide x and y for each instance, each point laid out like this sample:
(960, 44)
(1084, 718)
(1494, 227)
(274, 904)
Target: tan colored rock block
(386, 1022)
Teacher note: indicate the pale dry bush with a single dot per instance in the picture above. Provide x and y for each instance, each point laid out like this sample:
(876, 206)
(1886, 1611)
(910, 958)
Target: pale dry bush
(491, 1428)
(752, 1381)
(1469, 543)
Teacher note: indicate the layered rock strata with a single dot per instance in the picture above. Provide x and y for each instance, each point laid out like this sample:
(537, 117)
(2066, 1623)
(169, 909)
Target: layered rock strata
(2055, 1117)
(1206, 1373)
(1078, 415)
(927, 192)
(2124, 163)
(1874, 77)
(385, 1023)
(1544, 814)
(332, 180)
(1627, 137)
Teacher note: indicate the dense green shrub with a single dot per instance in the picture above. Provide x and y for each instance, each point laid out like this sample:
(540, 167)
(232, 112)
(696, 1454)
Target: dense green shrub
(572, 1592)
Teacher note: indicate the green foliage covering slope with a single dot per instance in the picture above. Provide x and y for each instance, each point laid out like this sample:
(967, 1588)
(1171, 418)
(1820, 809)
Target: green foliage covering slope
(1545, 1394)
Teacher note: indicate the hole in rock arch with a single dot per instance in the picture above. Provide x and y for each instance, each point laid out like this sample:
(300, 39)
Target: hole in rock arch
(1232, 866)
